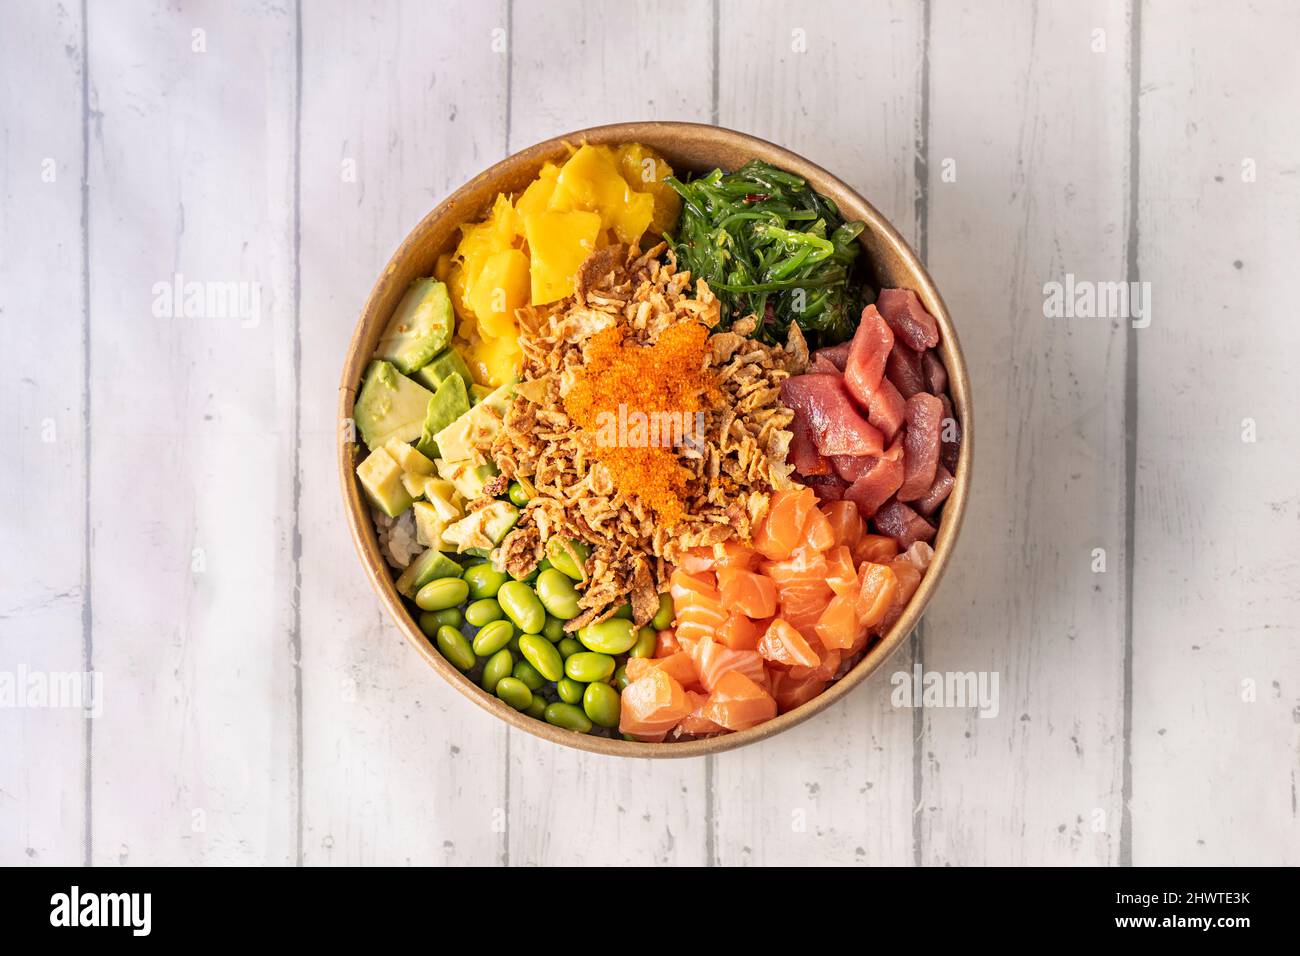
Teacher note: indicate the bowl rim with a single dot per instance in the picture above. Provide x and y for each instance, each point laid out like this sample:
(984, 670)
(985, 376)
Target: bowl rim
(365, 538)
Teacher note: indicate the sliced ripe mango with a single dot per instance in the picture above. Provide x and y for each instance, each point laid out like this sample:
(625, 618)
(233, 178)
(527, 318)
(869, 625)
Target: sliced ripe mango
(645, 171)
(559, 242)
(501, 287)
(537, 197)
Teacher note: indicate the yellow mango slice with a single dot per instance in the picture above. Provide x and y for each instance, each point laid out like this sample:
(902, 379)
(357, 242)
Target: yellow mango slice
(537, 197)
(495, 361)
(645, 171)
(559, 242)
(501, 287)
(591, 181)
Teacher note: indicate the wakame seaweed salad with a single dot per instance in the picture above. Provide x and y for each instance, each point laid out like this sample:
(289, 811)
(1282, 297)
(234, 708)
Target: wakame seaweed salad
(769, 245)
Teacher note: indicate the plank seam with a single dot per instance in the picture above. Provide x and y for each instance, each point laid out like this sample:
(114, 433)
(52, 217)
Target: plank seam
(710, 834)
(87, 607)
(1130, 433)
(295, 639)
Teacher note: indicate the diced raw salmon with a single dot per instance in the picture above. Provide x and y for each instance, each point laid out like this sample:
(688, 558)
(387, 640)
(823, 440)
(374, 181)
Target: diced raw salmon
(741, 633)
(876, 548)
(830, 663)
(695, 561)
(713, 659)
(789, 693)
(697, 613)
(876, 485)
(737, 703)
(903, 524)
(876, 593)
(678, 666)
(666, 643)
(781, 530)
(846, 524)
(904, 370)
(802, 606)
(909, 578)
(838, 428)
(804, 566)
(868, 352)
(838, 625)
(749, 593)
(701, 582)
(920, 445)
(652, 704)
(783, 644)
(919, 556)
(936, 375)
(695, 723)
(817, 531)
(888, 409)
(908, 318)
(841, 573)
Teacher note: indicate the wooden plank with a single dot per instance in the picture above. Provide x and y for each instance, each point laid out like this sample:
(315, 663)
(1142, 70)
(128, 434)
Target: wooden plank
(42, 404)
(568, 807)
(190, 176)
(397, 766)
(1216, 710)
(838, 789)
(1030, 117)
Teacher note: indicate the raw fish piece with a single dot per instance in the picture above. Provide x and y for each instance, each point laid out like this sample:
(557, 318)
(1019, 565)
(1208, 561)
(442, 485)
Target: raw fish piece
(876, 485)
(837, 427)
(939, 491)
(920, 445)
(908, 318)
(868, 353)
(903, 524)
(936, 376)
(904, 370)
(888, 409)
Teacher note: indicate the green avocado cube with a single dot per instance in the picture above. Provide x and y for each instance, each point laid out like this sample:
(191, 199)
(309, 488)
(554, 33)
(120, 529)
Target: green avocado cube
(389, 405)
(484, 528)
(448, 403)
(420, 328)
(411, 460)
(426, 567)
(445, 363)
(468, 477)
(476, 427)
(381, 479)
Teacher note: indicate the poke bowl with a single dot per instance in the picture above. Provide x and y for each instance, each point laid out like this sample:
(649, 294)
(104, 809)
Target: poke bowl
(656, 439)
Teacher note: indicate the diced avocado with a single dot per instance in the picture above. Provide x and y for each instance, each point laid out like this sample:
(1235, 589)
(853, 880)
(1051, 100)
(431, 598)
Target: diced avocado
(414, 484)
(445, 363)
(390, 405)
(381, 477)
(475, 428)
(449, 403)
(429, 526)
(484, 528)
(446, 500)
(420, 328)
(468, 476)
(429, 565)
(411, 460)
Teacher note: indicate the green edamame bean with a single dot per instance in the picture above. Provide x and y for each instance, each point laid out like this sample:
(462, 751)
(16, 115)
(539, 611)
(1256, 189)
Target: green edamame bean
(492, 637)
(529, 674)
(522, 606)
(557, 594)
(611, 636)
(449, 616)
(537, 708)
(499, 666)
(620, 677)
(570, 690)
(589, 667)
(514, 692)
(484, 580)
(518, 497)
(624, 613)
(563, 559)
(553, 629)
(568, 716)
(602, 705)
(542, 654)
(543, 564)
(483, 611)
(455, 647)
(663, 618)
(646, 639)
(442, 593)
(568, 647)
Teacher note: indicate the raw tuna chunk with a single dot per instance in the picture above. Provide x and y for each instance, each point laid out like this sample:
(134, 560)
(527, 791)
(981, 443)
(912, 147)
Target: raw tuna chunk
(949, 435)
(920, 445)
(908, 318)
(837, 355)
(821, 365)
(877, 483)
(803, 451)
(837, 427)
(827, 487)
(903, 524)
(851, 467)
(904, 370)
(936, 376)
(938, 493)
(868, 353)
(888, 409)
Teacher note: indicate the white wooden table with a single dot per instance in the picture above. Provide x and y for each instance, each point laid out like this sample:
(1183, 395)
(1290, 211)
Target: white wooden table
(171, 512)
